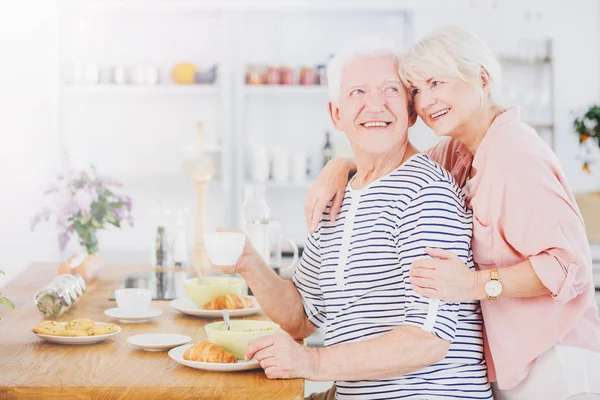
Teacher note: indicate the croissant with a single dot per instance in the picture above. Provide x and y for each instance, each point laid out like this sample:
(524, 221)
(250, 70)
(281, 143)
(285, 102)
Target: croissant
(208, 352)
(230, 302)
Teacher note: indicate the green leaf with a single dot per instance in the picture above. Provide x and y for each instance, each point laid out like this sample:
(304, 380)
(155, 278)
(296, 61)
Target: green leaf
(2, 272)
(117, 204)
(96, 223)
(85, 220)
(80, 229)
(5, 301)
(112, 220)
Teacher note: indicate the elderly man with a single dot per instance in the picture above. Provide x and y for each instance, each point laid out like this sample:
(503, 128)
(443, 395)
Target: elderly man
(382, 340)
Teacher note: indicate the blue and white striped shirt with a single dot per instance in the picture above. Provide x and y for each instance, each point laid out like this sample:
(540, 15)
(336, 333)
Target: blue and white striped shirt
(353, 278)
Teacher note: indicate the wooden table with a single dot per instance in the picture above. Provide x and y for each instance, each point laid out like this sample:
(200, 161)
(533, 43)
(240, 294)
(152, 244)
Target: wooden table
(34, 369)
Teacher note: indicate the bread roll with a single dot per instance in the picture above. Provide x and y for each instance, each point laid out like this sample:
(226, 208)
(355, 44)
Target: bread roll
(208, 352)
(229, 302)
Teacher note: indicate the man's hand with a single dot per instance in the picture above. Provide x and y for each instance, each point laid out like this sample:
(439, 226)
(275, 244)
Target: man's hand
(282, 358)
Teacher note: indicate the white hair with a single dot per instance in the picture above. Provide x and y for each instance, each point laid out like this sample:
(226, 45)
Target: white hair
(453, 52)
(363, 47)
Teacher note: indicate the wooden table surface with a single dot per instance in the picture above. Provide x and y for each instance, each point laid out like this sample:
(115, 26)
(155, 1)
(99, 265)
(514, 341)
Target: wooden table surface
(34, 369)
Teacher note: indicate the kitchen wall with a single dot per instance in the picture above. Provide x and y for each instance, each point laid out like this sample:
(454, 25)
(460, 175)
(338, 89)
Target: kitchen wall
(29, 144)
(29, 153)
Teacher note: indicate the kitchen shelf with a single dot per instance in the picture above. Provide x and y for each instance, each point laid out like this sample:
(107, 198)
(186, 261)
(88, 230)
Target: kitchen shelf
(515, 61)
(141, 89)
(283, 185)
(281, 90)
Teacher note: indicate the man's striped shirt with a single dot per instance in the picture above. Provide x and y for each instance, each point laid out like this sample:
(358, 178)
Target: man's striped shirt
(354, 279)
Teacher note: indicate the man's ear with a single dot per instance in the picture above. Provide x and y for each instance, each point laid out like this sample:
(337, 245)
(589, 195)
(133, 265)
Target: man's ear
(334, 113)
(484, 78)
(412, 114)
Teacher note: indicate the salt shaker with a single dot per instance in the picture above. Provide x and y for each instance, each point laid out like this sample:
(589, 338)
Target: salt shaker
(59, 295)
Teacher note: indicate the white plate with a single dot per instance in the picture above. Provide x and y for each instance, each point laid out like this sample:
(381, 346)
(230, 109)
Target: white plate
(177, 355)
(186, 306)
(129, 318)
(158, 341)
(78, 339)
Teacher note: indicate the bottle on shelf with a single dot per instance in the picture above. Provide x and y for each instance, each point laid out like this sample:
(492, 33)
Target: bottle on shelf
(180, 247)
(327, 149)
(161, 248)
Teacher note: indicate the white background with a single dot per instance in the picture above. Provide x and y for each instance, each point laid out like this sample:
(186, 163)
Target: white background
(30, 119)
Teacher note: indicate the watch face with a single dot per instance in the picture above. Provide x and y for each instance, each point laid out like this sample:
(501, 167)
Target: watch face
(493, 288)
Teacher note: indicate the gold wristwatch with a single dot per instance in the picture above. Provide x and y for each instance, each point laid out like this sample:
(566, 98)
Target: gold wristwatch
(493, 287)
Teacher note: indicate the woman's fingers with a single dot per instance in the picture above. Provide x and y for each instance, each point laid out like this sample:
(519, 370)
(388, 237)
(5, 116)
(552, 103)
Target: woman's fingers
(426, 273)
(317, 213)
(425, 292)
(309, 205)
(440, 253)
(336, 205)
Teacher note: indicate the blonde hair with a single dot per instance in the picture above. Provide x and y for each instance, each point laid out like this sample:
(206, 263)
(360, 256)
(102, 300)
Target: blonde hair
(454, 52)
(364, 47)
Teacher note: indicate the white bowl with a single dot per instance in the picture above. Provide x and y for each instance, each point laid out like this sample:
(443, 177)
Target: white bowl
(224, 248)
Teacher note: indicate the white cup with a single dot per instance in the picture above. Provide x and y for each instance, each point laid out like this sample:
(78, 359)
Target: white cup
(224, 248)
(134, 301)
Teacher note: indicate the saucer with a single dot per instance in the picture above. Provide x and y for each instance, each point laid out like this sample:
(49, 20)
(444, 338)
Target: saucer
(187, 306)
(78, 339)
(130, 318)
(158, 341)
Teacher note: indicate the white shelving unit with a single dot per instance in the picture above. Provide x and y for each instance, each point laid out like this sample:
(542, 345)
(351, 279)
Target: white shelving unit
(160, 89)
(296, 117)
(537, 97)
(138, 131)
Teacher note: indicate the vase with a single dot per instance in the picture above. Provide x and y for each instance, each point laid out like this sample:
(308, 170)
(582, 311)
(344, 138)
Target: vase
(87, 266)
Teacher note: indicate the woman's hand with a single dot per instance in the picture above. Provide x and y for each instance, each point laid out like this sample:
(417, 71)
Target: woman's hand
(444, 277)
(282, 358)
(331, 184)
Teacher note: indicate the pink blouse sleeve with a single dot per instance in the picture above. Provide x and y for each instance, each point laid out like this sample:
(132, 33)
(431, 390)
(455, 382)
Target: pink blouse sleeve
(541, 220)
(453, 157)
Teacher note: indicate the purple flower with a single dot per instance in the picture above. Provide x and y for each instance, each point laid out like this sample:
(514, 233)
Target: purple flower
(42, 215)
(63, 239)
(127, 201)
(83, 199)
(106, 181)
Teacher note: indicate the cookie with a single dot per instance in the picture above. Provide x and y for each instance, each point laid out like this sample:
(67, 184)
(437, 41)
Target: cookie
(83, 324)
(49, 328)
(73, 332)
(102, 329)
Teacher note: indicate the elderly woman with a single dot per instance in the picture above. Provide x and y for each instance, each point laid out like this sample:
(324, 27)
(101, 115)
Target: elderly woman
(534, 276)
(382, 339)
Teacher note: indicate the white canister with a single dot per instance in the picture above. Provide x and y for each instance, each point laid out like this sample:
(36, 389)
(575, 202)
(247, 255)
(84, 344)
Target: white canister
(281, 164)
(75, 74)
(119, 75)
(259, 164)
(91, 74)
(152, 75)
(138, 76)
